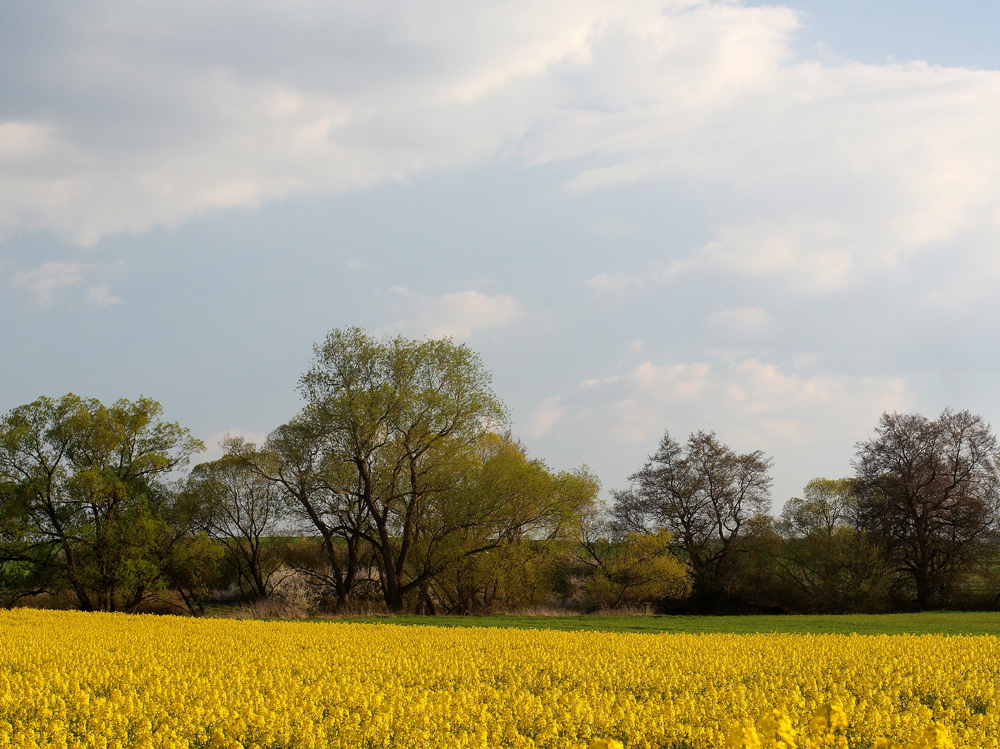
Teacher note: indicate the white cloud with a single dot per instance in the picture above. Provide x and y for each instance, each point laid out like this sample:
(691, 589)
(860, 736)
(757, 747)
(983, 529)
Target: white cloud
(809, 424)
(101, 296)
(603, 381)
(349, 97)
(460, 314)
(819, 173)
(741, 321)
(611, 281)
(46, 280)
(544, 416)
(820, 256)
(756, 399)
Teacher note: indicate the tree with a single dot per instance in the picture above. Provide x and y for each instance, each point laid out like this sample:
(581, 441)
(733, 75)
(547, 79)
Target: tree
(928, 493)
(828, 504)
(242, 510)
(319, 486)
(414, 436)
(638, 568)
(526, 517)
(404, 414)
(704, 494)
(85, 493)
(830, 566)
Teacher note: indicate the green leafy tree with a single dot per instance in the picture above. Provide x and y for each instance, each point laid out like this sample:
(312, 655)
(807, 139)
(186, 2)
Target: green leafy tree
(319, 486)
(85, 491)
(404, 415)
(516, 551)
(638, 568)
(831, 566)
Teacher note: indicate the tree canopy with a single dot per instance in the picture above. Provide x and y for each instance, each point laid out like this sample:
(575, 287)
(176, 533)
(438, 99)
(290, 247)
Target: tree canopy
(86, 500)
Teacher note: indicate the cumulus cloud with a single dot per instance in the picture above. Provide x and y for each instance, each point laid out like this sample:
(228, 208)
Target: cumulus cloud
(48, 280)
(459, 314)
(818, 172)
(808, 423)
(762, 402)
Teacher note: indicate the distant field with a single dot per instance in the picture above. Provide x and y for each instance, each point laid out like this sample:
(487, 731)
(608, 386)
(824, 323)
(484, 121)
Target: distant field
(933, 623)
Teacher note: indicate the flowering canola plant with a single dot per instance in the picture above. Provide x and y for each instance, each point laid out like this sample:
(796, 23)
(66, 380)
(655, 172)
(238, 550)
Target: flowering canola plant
(113, 681)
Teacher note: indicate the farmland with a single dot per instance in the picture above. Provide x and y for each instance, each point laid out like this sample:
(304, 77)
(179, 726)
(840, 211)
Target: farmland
(112, 680)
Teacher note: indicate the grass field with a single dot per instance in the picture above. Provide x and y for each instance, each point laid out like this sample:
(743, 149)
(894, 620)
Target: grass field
(931, 623)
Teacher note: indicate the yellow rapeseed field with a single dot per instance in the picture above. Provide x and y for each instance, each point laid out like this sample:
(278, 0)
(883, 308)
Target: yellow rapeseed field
(110, 680)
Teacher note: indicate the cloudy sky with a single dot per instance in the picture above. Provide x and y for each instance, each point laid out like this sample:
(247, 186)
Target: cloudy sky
(772, 221)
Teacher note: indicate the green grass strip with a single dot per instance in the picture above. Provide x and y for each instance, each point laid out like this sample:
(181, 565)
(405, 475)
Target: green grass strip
(928, 623)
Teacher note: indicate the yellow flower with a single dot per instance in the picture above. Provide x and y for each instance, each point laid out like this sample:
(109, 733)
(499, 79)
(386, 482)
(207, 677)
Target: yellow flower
(606, 744)
(111, 681)
(744, 737)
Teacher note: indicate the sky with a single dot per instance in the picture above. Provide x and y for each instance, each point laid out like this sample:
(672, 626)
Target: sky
(773, 221)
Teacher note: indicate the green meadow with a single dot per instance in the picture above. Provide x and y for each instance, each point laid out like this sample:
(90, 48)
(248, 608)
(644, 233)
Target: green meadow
(928, 623)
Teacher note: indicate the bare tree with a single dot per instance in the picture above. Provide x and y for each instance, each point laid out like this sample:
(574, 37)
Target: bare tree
(705, 494)
(928, 492)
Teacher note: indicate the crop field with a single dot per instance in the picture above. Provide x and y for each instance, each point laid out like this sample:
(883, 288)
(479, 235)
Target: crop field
(98, 680)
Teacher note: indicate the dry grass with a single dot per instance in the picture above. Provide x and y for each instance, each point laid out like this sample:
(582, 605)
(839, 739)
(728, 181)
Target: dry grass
(645, 609)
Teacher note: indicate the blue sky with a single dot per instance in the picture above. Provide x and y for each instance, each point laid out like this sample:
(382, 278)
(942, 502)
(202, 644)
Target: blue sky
(774, 221)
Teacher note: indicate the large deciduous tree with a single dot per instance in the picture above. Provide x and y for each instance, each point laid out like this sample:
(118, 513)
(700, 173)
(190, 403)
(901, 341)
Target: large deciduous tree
(400, 464)
(521, 517)
(637, 568)
(705, 494)
(928, 492)
(85, 496)
(404, 414)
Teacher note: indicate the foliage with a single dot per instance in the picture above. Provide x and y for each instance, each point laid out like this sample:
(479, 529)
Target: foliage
(85, 497)
(242, 510)
(639, 568)
(406, 416)
(519, 556)
(398, 462)
(832, 566)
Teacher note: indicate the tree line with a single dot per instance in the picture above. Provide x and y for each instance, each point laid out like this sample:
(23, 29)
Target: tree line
(916, 526)
(399, 483)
